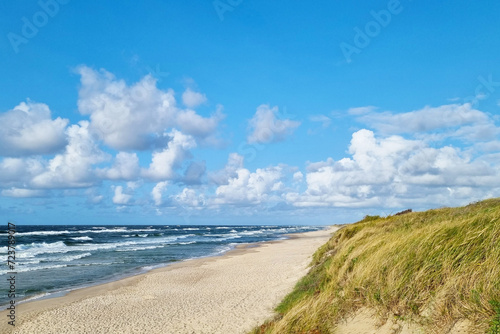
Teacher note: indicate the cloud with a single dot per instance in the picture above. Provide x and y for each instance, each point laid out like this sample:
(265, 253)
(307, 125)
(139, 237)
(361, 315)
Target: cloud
(189, 198)
(19, 171)
(73, 168)
(194, 173)
(132, 185)
(392, 172)
(23, 193)
(266, 128)
(93, 196)
(125, 167)
(426, 119)
(237, 186)
(480, 132)
(234, 163)
(298, 177)
(490, 146)
(157, 192)
(192, 99)
(120, 197)
(400, 160)
(165, 162)
(361, 110)
(134, 117)
(196, 125)
(246, 188)
(29, 129)
(447, 166)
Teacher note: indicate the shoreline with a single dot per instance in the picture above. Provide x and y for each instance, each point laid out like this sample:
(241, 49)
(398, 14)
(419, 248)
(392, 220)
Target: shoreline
(135, 272)
(150, 291)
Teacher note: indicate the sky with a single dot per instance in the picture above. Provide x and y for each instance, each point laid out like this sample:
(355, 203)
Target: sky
(245, 111)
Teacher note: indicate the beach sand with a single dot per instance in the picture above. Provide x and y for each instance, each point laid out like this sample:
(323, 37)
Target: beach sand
(227, 294)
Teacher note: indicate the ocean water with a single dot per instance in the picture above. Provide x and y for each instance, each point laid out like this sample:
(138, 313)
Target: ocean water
(54, 259)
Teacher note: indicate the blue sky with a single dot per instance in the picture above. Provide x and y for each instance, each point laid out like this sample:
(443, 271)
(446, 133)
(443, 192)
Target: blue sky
(245, 112)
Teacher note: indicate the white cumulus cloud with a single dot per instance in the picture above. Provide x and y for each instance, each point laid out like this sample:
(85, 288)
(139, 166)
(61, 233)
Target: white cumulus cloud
(73, 167)
(265, 127)
(157, 192)
(234, 163)
(19, 171)
(29, 129)
(165, 163)
(135, 116)
(189, 198)
(192, 99)
(120, 197)
(244, 187)
(125, 167)
(394, 171)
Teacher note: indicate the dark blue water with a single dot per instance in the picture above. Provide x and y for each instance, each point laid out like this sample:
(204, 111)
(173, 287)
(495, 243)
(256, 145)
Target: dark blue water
(58, 258)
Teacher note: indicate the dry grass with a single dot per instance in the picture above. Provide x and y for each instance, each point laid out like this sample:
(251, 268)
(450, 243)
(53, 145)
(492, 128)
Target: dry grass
(432, 267)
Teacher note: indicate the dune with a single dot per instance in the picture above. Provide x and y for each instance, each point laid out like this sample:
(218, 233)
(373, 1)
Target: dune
(435, 271)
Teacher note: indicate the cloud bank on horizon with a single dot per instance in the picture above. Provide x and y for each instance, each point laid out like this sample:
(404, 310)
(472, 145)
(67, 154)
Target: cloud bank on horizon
(133, 147)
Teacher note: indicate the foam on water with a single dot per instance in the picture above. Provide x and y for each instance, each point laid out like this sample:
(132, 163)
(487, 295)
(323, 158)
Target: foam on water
(103, 230)
(82, 238)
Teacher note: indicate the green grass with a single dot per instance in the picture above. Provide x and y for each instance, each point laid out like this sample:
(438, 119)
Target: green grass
(495, 322)
(432, 267)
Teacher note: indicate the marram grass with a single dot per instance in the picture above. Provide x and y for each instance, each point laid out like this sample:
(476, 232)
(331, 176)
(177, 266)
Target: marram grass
(432, 268)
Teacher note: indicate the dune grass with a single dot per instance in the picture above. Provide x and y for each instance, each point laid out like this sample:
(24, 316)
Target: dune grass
(432, 268)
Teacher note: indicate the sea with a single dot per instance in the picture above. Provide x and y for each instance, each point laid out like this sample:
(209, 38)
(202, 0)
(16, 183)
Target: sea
(53, 260)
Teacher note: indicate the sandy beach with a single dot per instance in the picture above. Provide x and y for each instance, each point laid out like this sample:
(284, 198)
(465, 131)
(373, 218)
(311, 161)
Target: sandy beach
(231, 293)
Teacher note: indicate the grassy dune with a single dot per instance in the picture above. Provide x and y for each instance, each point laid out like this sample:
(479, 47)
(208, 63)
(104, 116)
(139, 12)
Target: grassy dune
(432, 268)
